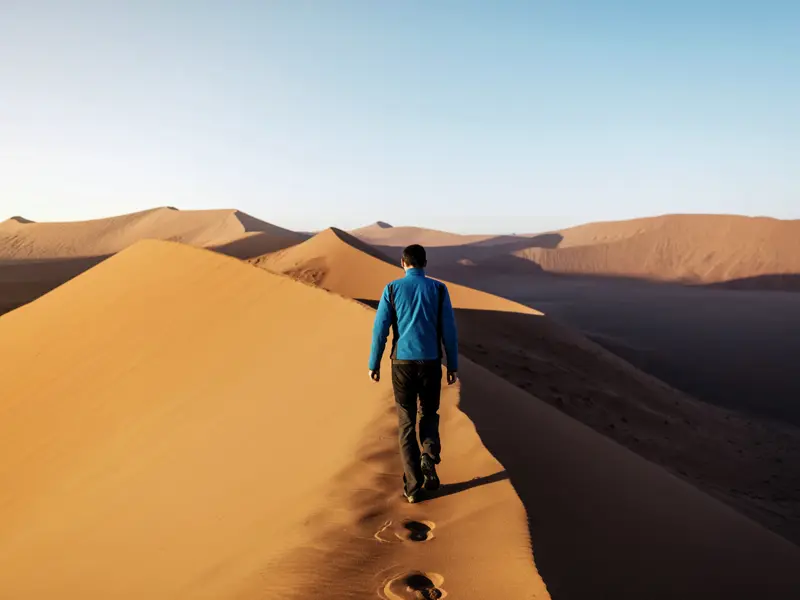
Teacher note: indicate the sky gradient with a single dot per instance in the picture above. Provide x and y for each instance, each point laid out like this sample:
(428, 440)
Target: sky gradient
(492, 117)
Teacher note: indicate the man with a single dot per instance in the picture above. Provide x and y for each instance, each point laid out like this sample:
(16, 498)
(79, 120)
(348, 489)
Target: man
(420, 314)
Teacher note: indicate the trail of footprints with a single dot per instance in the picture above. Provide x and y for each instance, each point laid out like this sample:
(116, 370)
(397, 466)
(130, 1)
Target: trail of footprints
(416, 585)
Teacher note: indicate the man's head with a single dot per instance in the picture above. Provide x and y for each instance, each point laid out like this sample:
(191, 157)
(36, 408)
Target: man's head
(414, 257)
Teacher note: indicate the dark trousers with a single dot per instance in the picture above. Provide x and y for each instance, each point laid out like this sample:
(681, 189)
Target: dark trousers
(412, 381)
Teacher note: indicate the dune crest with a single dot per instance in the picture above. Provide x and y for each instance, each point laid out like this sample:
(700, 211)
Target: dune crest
(342, 263)
(37, 257)
(102, 237)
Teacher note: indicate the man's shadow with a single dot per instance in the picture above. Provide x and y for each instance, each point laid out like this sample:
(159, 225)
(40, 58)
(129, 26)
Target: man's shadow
(449, 489)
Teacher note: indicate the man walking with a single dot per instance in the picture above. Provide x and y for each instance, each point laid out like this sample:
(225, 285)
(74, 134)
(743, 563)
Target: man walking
(420, 314)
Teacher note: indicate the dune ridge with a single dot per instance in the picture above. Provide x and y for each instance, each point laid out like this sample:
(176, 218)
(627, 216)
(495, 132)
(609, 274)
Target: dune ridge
(342, 263)
(718, 450)
(22, 239)
(37, 257)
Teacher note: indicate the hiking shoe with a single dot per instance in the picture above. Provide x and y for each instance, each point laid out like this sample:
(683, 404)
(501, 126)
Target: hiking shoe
(431, 481)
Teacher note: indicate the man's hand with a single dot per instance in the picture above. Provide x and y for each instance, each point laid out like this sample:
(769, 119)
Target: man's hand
(375, 375)
(452, 377)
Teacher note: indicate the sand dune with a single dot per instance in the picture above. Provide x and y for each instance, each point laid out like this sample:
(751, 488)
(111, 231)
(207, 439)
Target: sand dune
(693, 249)
(745, 252)
(177, 424)
(746, 464)
(37, 257)
(339, 262)
(23, 239)
(383, 234)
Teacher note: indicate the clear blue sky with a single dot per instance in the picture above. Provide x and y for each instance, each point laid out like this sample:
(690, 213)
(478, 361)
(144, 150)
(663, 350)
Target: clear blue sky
(463, 115)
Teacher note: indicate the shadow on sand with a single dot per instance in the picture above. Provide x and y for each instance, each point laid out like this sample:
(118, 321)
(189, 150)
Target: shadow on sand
(604, 523)
(449, 489)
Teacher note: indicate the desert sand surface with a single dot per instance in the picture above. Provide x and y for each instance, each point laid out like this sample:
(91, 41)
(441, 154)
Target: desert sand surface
(178, 424)
(37, 257)
(748, 463)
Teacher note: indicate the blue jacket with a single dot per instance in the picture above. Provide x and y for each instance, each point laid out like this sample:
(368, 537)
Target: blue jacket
(419, 311)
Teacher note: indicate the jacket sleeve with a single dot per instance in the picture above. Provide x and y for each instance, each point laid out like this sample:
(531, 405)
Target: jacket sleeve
(380, 330)
(449, 332)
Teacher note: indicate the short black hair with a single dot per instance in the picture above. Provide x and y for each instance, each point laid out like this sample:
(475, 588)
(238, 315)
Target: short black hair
(414, 256)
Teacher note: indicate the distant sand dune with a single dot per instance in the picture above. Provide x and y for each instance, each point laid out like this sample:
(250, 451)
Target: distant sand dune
(383, 234)
(694, 249)
(37, 257)
(177, 424)
(340, 262)
(750, 252)
(23, 239)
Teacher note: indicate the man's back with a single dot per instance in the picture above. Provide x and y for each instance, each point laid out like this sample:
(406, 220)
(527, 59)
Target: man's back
(418, 310)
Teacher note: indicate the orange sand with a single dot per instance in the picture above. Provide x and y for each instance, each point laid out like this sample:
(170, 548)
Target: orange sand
(177, 424)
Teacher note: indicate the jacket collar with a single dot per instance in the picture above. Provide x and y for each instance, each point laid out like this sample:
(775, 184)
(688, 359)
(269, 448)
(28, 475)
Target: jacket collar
(415, 272)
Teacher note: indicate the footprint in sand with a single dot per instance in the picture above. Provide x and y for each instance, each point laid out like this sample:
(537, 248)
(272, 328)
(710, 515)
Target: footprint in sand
(407, 531)
(414, 586)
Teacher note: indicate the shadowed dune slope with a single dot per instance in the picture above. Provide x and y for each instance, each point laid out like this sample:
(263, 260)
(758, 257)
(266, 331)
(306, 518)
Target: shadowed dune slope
(748, 465)
(605, 523)
(687, 248)
(177, 424)
(22, 239)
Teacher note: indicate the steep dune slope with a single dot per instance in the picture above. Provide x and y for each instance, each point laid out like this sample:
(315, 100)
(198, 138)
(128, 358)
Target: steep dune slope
(686, 248)
(748, 465)
(605, 523)
(177, 424)
(22, 239)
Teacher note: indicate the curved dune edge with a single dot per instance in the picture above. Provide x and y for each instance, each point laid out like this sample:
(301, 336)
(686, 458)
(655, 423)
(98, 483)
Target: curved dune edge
(175, 423)
(37, 257)
(339, 262)
(21, 239)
